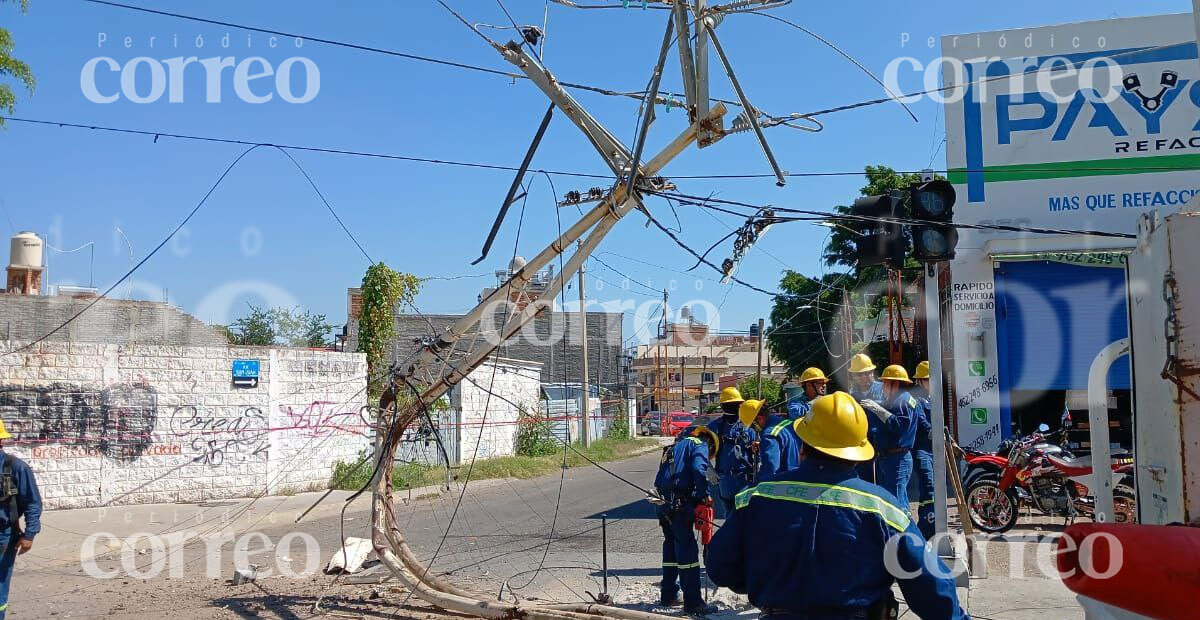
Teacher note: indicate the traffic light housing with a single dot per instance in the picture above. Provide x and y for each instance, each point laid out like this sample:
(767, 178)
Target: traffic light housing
(933, 202)
(880, 241)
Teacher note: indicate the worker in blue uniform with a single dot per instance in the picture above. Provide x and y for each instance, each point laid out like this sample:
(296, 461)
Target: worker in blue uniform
(814, 383)
(863, 384)
(815, 543)
(19, 497)
(922, 451)
(893, 430)
(734, 463)
(779, 446)
(682, 485)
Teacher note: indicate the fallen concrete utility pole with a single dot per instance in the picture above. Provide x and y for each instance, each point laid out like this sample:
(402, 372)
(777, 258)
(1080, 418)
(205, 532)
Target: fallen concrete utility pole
(439, 365)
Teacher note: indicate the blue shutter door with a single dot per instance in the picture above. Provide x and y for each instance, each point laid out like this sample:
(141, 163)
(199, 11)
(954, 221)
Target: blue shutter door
(1054, 319)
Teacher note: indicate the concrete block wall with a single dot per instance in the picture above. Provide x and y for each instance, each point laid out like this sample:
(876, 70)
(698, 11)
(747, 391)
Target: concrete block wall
(491, 422)
(105, 424)
(112, 321)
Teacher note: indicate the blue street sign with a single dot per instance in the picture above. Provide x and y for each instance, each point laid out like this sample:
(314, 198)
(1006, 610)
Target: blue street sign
(245, 369)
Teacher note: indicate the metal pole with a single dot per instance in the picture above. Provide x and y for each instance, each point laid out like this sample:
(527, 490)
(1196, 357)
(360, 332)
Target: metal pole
(758, 372)
(682, 391)
(1097, 399)
(604, 547)
(937, 410)
(585, 409)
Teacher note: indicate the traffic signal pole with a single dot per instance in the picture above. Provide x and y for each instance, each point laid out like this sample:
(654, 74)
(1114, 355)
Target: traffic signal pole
(937, 405)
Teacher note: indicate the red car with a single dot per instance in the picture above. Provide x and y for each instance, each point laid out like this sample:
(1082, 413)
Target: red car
(676, 421)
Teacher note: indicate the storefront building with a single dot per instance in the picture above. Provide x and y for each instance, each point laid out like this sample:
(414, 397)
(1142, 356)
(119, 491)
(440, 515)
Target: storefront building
(1078, 127)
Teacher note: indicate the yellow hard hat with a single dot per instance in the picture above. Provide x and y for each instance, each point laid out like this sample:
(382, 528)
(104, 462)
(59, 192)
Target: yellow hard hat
(750, 410)
(731, 395)
(922, 371)
(697, 431)
(4, 434)
(895, 372)
(837, 426)
(813, 374)
(861, 363)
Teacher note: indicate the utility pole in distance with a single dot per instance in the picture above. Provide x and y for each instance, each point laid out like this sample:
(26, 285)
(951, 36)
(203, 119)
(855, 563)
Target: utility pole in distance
(758, 373)
(585, 408)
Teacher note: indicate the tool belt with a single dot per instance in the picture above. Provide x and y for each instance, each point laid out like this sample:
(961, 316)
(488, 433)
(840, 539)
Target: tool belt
(894, 451)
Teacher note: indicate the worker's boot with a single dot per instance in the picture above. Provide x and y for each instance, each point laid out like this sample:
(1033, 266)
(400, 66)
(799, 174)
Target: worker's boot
(702, 609)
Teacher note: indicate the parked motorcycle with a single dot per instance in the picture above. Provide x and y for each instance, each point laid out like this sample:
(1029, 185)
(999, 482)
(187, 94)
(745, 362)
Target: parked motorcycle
(991, 464)
(1046, 477)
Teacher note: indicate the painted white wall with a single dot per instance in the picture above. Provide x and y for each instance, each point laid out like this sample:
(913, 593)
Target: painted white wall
(108, 424)
(490, 422)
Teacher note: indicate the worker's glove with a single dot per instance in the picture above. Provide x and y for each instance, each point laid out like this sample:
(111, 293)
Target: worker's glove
(877, 409)
(711, 475)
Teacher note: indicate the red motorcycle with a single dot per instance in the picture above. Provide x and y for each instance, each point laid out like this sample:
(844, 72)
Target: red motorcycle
(1049, 478)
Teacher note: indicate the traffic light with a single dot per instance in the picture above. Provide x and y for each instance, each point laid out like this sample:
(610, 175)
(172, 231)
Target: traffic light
(933, 201)
(880, 242)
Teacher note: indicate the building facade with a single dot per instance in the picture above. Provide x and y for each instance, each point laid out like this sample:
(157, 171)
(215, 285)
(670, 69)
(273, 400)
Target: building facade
(1082, 127)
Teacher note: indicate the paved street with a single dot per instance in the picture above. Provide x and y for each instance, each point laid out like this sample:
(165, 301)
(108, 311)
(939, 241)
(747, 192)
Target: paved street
(498, 540)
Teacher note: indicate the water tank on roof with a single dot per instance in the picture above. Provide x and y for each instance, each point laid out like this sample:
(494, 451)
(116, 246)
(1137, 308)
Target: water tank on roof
(26, 250)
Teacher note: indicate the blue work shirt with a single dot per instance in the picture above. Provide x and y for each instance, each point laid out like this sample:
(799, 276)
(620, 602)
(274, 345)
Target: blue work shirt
(29, 500)
(875, 392)
(924, 440)
(814, 538)
(779, 449)
(686, 478)
(799, 407)
(900, 431)
(734, 469)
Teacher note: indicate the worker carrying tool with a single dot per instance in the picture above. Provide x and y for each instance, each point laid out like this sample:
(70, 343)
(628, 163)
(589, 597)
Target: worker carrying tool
(682, 485)
(922, 451)
(862, 379)
(815, 543)
(734, 461)
(893, 430)
(19, 497)
(778, 444)
(814, 383)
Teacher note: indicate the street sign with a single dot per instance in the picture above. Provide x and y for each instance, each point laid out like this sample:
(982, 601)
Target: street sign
(245, 373)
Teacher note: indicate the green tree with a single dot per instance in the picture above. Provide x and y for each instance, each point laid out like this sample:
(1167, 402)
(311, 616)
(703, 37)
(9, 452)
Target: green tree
(284, 327)
(805, 326)
(11, 67)
(383, 289)
(772, 392)
(254, 329)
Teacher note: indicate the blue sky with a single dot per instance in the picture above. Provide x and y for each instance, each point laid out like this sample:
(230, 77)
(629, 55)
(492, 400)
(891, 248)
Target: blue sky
(265, 237)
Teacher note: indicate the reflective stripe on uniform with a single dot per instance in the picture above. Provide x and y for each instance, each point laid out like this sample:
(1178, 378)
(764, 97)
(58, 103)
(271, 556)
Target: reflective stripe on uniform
(778, 428)
(687, 566)
(826, 495)
(4, 607)
(670, 565)
(925, 503)
(695, 439)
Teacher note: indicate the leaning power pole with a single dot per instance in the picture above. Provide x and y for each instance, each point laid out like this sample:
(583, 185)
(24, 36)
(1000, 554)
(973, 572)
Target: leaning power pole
(449, 358)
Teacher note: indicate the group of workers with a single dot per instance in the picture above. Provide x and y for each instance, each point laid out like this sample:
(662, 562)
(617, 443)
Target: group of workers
(814, 501)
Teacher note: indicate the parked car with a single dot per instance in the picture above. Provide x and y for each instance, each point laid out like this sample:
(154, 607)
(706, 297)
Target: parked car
(676, 421)
(651, 423)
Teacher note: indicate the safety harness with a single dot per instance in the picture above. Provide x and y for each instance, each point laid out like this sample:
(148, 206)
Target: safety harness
(8, 493)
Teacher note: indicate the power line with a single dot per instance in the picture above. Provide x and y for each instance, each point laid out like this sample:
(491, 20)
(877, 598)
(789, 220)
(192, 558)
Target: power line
(829, 215)
(156, 134)
(379, 50)
(154, 251)
(327, 205)
(293, 147)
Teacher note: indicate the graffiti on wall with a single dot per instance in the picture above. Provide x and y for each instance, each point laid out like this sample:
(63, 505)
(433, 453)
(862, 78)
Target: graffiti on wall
(122, 422)
(217, 439)
(117, 421)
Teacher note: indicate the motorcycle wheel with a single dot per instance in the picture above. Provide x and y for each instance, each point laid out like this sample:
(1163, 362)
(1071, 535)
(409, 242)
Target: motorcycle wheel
(991, 509)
